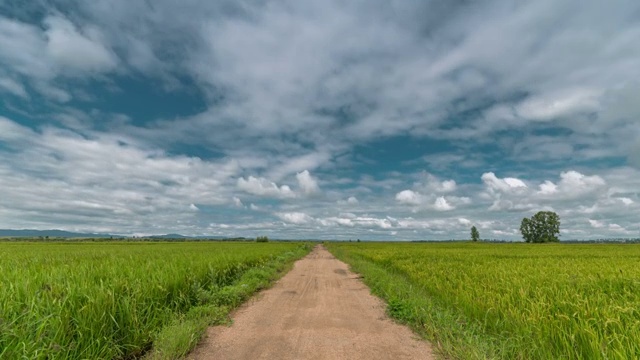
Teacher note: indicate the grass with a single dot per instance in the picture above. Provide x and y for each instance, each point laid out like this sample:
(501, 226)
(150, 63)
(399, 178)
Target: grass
(118, 300)
(509, 301)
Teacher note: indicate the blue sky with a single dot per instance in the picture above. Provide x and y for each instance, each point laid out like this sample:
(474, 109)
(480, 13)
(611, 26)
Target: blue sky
(326, 119)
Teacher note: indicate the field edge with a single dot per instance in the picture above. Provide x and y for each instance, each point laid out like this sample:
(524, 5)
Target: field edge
(451, 335)
(185, 332)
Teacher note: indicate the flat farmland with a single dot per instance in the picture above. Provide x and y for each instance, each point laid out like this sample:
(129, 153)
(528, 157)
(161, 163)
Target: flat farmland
(119, 300)
(509, 301)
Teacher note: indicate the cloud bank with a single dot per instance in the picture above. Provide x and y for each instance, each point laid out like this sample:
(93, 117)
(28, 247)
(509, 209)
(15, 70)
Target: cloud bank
(388, 120)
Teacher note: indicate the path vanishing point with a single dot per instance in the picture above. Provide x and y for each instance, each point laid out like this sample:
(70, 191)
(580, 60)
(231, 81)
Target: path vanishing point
(319, 310)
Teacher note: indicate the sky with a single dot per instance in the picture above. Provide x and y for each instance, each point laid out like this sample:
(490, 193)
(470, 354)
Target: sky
(377, 119)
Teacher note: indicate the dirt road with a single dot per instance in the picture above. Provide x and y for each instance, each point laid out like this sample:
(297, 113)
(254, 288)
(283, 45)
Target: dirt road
(319, 310)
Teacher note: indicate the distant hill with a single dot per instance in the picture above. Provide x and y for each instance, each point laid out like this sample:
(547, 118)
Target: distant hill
(168, 236)
(179, 236)
(70, 234)
(52, 233)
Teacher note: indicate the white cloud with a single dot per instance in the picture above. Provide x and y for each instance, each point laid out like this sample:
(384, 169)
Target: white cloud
(548, 188)
(448, 186)
(72, 49)
(23, 48)
(572, 184)
(616, 228)
(626, 201)
(409, 197)
(505, 185)
(441, 204)
(13, 87)
(295, 217)
(52, 92)
(432, 184)
(596, 224)
(237, 202)
(66, 180)
(575, 182)
(553, 105)
(14, 133)
(264, 187)
(350, 201)
(307, 183)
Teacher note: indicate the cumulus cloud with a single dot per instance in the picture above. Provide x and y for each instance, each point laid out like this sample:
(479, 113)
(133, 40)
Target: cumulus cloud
(428, 194)
(432, 184)
(505, 185)
(626, 201)
(575, 196)
(596, 224)
(264, 187)
(308, 185)
(572, 184)
(237, 202)
(575, 183)
(350, 201)
(295, 217)
(441, 204)
(69, 180)
(409, 197)
(430, 202)
(548, 188)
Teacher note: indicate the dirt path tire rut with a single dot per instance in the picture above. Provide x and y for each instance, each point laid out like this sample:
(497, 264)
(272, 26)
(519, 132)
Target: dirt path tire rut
(319, 310)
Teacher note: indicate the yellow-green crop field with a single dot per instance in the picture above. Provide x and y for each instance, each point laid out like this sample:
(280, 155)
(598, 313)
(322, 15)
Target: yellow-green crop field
(113, 300)
(510, 301)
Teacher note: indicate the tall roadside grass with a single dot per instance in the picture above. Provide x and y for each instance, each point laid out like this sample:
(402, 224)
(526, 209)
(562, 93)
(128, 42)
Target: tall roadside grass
(111, 301)
(510, 301)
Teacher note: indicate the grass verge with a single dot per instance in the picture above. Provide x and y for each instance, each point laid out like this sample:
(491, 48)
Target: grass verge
(182, 334)
(451, 334)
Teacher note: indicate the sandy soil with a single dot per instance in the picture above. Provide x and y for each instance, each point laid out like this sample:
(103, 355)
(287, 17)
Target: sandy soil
(319, 310)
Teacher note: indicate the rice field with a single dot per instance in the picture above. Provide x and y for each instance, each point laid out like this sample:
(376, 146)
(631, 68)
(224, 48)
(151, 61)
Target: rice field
(509, 301)
(112, 300)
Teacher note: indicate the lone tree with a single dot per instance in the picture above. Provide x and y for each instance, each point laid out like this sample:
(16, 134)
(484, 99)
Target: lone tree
(475, 235)
(541, 228)
(262, 239)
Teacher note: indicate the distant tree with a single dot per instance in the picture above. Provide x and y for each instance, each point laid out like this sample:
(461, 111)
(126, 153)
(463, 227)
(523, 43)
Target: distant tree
(262, 239)
(542, 227)
(475, 235)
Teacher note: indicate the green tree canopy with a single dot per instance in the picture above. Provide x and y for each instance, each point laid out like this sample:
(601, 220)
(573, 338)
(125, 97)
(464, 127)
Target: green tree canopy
(542, 227)
(475, 235)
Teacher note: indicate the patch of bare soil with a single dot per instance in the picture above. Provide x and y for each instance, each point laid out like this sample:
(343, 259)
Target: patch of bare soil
(319, 310)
